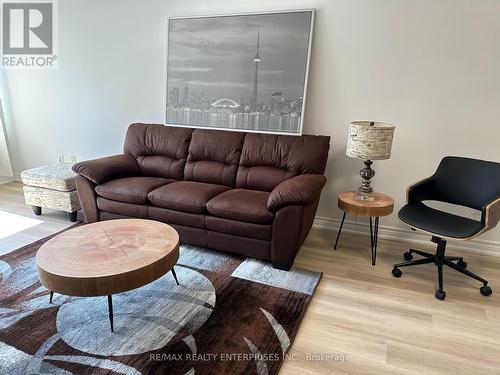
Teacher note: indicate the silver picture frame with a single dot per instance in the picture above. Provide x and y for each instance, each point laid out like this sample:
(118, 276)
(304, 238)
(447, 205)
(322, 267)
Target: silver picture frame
(240, 71)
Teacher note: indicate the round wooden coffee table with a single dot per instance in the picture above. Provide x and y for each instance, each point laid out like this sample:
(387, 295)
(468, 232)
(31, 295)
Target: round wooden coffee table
(381, 205)
(107, 257)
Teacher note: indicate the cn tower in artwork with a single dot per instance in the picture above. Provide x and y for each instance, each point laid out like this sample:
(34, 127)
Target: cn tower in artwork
(256, 61)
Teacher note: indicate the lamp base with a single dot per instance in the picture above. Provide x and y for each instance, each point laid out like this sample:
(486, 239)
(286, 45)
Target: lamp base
(363, 196)
(365, 191)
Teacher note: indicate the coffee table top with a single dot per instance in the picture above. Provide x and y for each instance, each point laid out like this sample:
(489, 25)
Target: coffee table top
(107, 257)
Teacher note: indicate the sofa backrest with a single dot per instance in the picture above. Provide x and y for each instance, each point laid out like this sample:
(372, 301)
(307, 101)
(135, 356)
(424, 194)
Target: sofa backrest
(213, 156)
(236, 159)
(160, 151)
(268, 159)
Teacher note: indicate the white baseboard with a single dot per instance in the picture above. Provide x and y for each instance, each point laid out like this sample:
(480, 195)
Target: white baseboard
(477, 245)
(6, 180)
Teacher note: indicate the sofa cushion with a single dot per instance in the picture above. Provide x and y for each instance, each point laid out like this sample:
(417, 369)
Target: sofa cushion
(242, 204)
(160, 151)
(187, 196)
(130, 189)
(268, 159)
(214, 156)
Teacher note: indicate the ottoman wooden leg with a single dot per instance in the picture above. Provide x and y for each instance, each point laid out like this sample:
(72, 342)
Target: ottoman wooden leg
(37, 210)
(72, 216)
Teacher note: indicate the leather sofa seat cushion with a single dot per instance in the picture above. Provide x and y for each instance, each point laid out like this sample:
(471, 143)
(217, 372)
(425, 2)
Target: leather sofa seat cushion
(187, 196)
(131, 189)
(242, 204)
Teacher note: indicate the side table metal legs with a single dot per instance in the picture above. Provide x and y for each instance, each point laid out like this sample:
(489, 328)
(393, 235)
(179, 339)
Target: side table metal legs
(373, 237)
(340, 230)
(110, 308)
(51, 296)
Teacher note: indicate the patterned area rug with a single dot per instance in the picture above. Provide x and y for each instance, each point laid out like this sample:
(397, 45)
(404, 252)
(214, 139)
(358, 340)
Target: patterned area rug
(230, 315)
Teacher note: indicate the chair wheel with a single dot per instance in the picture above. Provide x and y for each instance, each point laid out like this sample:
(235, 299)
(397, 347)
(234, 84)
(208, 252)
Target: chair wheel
(407, 255)
(485, 290)
(440, 294)
(462, 264)
(396, 272)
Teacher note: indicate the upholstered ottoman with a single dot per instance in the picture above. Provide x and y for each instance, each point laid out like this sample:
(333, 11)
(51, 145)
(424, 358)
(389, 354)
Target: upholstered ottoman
(52, 187)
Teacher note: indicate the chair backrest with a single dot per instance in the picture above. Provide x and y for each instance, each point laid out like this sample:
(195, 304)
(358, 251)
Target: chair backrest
(467, 182)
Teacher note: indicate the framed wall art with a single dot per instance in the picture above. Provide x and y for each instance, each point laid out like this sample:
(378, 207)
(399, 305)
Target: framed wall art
(244, 72)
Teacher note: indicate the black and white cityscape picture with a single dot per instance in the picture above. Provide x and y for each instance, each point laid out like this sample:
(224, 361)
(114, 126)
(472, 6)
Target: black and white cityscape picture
(244, 72)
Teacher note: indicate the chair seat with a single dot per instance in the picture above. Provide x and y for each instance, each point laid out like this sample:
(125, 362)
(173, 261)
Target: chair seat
(242, 204)
(186, 196)
(440, 223)
(130, 189)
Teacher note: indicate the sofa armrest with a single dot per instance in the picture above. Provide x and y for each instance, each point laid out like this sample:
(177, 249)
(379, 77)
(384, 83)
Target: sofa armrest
(298, 190)
(107, 168)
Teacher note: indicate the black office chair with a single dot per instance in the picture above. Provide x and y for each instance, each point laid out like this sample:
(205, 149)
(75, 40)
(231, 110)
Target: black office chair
(462, 181)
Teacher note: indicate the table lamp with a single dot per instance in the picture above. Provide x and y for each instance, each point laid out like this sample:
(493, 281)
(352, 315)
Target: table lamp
(369, 140)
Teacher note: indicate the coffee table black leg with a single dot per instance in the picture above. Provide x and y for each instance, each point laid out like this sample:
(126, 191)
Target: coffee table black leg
(110, 308)
(340, 230)
(50, 298)
(175, 276)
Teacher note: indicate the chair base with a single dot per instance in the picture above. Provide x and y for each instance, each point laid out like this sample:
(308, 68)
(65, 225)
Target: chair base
(440, 260)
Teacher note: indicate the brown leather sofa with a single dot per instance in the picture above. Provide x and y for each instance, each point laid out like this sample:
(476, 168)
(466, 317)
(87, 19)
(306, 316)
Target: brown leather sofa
(246, 193)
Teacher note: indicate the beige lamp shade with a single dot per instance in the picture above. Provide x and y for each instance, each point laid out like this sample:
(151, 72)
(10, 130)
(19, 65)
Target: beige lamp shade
(370, 140)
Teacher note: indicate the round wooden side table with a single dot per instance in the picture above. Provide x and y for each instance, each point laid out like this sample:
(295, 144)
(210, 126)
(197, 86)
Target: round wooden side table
(382, 205)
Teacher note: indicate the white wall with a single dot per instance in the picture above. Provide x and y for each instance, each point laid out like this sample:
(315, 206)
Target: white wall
(429, 66)
(5, 166)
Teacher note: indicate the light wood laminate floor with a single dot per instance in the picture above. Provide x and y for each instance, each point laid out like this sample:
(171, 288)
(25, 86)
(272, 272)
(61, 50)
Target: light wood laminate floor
(19, 226)
(378, 324)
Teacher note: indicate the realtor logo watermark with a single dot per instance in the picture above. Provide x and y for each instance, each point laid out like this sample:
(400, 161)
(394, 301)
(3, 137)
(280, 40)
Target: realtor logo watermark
(29, 34)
